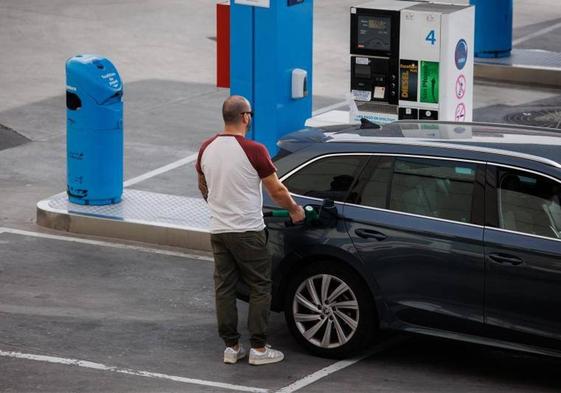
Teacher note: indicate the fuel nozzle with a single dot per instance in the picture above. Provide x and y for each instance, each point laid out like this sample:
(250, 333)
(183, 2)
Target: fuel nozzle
(325, 215)
(310, 212)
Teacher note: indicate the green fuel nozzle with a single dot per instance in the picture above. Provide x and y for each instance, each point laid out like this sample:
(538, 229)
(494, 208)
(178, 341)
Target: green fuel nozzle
(310, 212)
(315, 216)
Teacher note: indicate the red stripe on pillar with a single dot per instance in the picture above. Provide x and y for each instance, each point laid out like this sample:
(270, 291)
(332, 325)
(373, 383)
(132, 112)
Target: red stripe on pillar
(223, 44)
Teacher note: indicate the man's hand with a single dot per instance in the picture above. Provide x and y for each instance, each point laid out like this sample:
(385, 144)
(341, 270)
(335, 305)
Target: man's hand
(298, 215)
(203, 188)
(279, 193)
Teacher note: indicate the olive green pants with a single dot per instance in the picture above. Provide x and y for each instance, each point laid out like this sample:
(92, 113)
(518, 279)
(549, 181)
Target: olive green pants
(242, 256)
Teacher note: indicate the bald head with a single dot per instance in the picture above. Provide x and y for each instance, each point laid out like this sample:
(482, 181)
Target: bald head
(232, 109)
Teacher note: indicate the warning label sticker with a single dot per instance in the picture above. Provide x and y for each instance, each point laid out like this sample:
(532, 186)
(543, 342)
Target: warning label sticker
(429, 82)
(461, 112)
(409, 77)
(461, 87)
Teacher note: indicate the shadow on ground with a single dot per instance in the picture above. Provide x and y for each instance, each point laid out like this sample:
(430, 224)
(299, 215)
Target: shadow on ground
(9, 138)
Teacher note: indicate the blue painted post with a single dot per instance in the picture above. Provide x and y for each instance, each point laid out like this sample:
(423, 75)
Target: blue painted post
(242, 51)
(267, 44)
(493, 28)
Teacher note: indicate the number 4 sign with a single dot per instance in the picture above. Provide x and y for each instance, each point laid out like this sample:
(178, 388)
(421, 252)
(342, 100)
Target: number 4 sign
(431, 37)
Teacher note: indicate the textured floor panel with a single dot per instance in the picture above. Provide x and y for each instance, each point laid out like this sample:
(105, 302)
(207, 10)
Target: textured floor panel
(143, 207)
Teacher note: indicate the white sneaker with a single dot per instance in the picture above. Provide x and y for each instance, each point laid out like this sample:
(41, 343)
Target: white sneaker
(231, 356)
(270, 355)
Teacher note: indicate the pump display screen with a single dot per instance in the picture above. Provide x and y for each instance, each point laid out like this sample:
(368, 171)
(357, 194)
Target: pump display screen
(374, 32)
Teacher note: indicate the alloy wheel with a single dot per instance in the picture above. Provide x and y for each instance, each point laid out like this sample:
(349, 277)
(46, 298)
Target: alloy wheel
(325, 311)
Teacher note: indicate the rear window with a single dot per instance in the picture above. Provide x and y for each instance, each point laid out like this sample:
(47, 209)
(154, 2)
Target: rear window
(423, 186)
(529, 203)
(434, 188)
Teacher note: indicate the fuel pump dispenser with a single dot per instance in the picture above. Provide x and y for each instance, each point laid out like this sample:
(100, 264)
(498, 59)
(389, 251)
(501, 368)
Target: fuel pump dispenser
(412, 60)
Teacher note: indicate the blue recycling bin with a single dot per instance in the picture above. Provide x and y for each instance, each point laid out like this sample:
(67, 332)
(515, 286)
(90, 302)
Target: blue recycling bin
(493, 28)
(94, 138)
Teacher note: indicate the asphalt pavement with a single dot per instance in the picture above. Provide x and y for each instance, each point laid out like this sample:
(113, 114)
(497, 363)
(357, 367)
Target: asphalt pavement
(94, 316)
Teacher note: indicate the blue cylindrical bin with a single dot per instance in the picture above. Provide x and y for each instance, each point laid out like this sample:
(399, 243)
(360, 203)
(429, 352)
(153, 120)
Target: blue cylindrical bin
(94, 138)
(493, 28)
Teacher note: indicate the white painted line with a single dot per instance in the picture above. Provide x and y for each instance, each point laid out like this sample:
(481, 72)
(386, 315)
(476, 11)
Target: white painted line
(536, 34)
(106, 244)
(329, 108)
(159, 171)
(324, 372)
(139, 373)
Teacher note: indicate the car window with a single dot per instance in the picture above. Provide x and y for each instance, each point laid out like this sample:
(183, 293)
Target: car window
(434, 188)
(529, 203)
(329, 177)
(372, 188)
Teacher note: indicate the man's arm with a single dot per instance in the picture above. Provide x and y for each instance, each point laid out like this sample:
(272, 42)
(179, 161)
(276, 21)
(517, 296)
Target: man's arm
(279, 193)
(203, 188)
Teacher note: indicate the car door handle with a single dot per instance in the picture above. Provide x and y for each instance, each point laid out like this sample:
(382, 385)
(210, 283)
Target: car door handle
(370, 234)
(503, 258)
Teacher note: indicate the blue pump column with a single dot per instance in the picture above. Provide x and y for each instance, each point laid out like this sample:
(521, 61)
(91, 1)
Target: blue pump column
(266, 45)
(493, 27)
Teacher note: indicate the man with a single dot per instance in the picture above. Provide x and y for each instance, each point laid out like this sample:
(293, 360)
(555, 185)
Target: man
(231, 170)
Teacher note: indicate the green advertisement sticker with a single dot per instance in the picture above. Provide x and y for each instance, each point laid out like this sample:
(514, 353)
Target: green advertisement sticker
(429, 82)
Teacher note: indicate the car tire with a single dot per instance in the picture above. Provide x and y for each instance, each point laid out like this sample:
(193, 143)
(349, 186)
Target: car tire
(329, 310)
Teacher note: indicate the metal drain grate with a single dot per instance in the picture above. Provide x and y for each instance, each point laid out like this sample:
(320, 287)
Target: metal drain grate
(548, 117)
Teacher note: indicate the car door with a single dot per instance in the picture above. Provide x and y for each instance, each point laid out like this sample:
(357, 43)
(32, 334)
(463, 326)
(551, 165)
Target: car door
(325, 177)
(417, 224)
(523, 253)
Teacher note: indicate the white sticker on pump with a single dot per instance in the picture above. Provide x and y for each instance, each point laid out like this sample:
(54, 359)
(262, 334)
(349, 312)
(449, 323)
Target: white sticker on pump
(363, 60)
(254, 3)
(361, 95)
(380, 118)
(379, 92)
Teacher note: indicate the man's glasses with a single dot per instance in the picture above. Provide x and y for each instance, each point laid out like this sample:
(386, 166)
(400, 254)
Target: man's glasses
(248, 113)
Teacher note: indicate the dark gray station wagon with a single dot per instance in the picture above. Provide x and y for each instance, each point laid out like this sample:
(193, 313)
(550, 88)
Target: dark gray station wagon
(445, 229)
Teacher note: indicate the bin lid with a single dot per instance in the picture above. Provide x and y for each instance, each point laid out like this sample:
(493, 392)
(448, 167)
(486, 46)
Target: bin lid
(95, 76)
